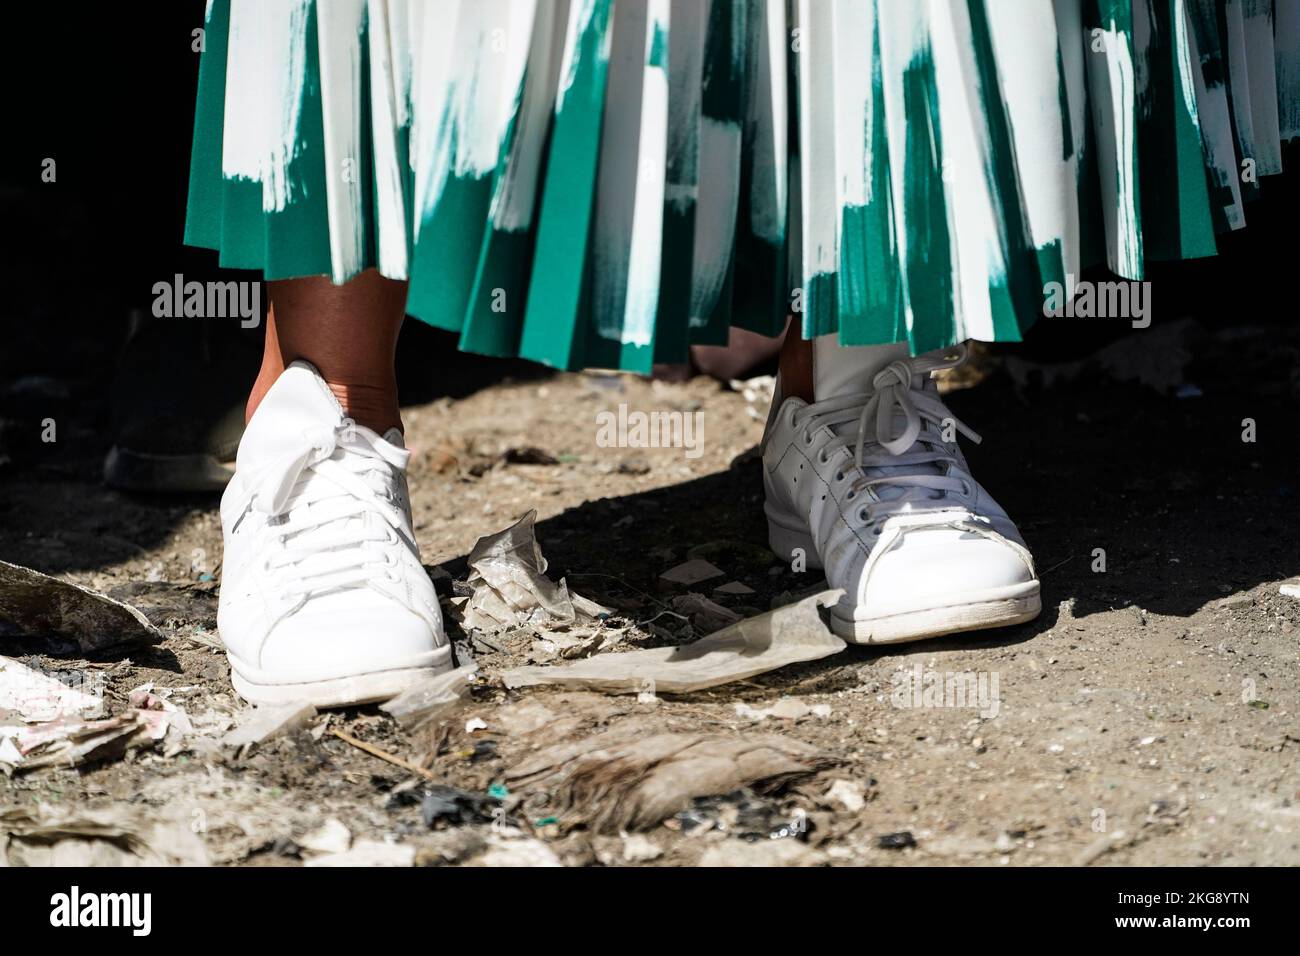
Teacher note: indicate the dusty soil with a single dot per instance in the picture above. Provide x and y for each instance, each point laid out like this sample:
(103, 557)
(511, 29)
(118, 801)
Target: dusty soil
(1149, 716)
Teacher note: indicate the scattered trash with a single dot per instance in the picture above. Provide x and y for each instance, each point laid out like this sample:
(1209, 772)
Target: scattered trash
(640, 849)
(442, 803)
(330, 837)
(741, 813)
(166, 721)
(45, 723)
(896, 841)
(430, 700)
(71, 741)
(752, 646)
(40, 605)
(566, 646)
(1289, 590)
(119, 835)
(267, 722)
(369, 853)
(689, 574)
(787, 708)
(34, 697)
(623, 780)
(847, 794)
(509, 584)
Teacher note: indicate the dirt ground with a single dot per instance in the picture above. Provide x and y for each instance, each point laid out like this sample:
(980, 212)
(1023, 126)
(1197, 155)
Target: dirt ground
(1149, 716)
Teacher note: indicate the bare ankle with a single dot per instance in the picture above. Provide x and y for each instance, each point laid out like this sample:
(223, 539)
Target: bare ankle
(368, 405)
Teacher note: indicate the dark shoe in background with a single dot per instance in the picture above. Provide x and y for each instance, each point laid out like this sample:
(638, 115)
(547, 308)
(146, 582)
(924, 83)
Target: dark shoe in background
(177, 405)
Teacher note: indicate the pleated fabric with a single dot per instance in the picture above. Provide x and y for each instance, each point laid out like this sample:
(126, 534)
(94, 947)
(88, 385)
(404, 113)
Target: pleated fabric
(601, 183)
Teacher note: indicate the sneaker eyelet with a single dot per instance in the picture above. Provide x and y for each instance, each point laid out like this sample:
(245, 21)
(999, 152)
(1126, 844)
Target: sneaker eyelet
(863, 515)
(807, 438)
(966, 489)
(839, 476)
(850, 496)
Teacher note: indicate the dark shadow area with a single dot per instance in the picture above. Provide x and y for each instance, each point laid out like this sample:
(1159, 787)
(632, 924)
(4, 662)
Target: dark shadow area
(1184, 509)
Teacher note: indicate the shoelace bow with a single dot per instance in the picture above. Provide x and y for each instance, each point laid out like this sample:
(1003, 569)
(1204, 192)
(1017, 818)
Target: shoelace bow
(329, 535)
(894, 394)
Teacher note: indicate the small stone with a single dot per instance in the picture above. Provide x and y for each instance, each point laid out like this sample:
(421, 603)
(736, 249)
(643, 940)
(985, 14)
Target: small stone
(640, 849)
(330, 837)
(733, 587)
(847, 794)
(896, 841)
(689, 573)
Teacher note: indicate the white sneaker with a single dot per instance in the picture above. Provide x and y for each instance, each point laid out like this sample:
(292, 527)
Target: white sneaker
(323, 597)
(870, 483)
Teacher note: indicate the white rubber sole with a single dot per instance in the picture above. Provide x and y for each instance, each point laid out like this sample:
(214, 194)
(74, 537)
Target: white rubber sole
(998, 607)
(337, 691)
(1002, 608)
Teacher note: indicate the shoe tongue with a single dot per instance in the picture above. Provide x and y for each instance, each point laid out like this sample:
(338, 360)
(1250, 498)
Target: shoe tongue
(848, 369)
(298, 402)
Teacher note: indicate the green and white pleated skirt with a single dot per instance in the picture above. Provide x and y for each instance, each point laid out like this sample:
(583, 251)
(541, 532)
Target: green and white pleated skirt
(601, 183)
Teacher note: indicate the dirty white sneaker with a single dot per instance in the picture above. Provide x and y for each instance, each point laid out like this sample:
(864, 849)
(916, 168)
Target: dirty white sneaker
(323, 597)
(870, 483)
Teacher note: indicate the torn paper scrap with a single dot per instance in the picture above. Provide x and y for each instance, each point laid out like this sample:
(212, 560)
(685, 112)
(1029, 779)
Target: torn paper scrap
(35, 696)
(263, 723)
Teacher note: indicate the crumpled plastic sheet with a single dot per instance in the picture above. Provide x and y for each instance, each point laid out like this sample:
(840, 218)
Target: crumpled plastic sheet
(755, 645)
(510, 586)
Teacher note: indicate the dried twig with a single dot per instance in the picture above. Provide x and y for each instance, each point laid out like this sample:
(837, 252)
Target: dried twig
(383, 754)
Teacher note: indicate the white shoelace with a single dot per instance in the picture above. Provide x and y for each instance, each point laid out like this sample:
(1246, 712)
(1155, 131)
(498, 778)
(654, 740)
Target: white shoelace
(332, 509)
(904, 473)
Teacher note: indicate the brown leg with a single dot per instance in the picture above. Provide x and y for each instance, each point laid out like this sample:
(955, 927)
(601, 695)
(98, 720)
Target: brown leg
(349, 332)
